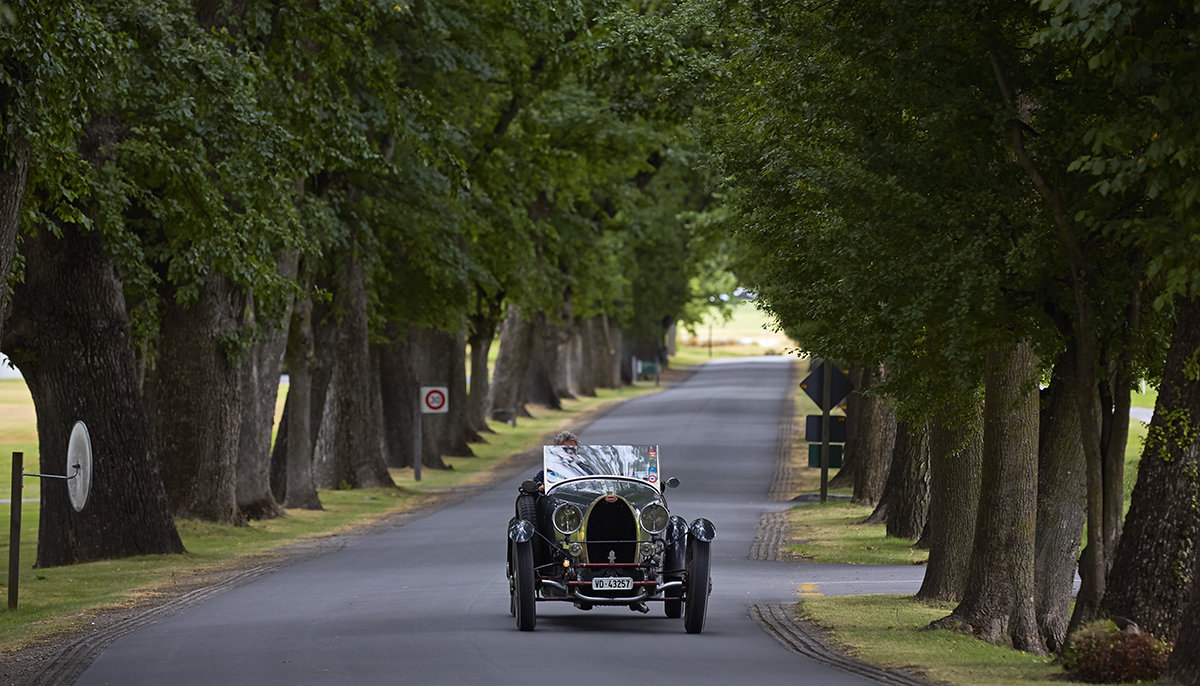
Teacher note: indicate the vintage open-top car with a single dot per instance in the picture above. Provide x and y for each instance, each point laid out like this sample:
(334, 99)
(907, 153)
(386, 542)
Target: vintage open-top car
(602, 534)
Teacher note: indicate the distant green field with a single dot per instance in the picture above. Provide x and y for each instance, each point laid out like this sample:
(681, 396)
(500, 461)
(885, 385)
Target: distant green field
(18, 433)
(748, 326)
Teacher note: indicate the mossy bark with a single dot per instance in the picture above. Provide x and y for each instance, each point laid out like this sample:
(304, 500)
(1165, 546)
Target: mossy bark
(1154, 567)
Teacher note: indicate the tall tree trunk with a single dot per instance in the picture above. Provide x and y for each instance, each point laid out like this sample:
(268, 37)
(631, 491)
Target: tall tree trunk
(567, 373)
(1044, 173)
(195, 394)
(1062, 487)
(902, 451)
(398, 397)
(1116, 433)
(603, 343)
(461, 432)
(910, 500)
(1152, 573)
(998, 603)
(12, 194)
(616, 343)
(877, 431)
(69, 335)
(516, 341)
(644, 349)
(322, 408)
(1091, 564)
(261, 372)
(438, 359)
(581, 352)
(955, 471)
(357, 430)
(300, 490)
(482, 333)
(538, 386)
(856, 412)
(563, 373)
(1183, 667)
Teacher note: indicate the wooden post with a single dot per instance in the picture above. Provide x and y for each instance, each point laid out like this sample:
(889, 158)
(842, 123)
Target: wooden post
(826, 403)
(14, 530)
(418, 415)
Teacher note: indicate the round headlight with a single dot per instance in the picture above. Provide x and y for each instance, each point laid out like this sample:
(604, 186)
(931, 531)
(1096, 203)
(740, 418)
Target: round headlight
(654, 518)
(567, 518)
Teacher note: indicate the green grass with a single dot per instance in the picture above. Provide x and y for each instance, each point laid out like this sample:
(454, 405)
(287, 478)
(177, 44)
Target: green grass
(18, 433)
(748, 332)
(890, 630)
(1145, 397)
(833, 532)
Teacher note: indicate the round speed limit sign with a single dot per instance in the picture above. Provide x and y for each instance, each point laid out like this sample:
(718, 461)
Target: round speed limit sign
(434, 399)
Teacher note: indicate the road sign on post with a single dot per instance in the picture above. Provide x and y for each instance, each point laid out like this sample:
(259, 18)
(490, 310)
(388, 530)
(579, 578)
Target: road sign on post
(827, 386)
(839, 385)
(835, 455)
(837, 428)
(430, 400)
(435, 399)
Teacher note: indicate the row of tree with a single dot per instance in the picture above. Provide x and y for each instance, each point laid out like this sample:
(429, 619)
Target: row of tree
(197, 195)
(988, 209)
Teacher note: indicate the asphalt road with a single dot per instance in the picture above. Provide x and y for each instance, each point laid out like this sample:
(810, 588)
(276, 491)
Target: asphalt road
(427, 602)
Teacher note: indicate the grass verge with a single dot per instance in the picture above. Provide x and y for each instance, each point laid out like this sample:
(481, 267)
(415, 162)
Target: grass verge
(890, 630)
(833, 532)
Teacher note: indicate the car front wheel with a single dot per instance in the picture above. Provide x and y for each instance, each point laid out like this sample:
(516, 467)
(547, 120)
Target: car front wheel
(696, 598)
(523, 602)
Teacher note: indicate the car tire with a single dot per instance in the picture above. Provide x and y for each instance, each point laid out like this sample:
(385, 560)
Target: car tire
(696, 598)
(527, 508)
(523, 601)
(512, 585)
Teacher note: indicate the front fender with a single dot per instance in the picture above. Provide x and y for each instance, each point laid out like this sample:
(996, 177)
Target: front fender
(520, 530)
(702, 530)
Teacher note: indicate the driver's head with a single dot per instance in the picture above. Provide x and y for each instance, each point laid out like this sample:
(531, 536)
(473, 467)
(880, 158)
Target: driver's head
(567, 439)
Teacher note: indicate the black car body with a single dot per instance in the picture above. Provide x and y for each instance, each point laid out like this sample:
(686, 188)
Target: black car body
(603, 534)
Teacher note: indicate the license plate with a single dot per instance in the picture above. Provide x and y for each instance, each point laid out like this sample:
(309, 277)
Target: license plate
(612, 583)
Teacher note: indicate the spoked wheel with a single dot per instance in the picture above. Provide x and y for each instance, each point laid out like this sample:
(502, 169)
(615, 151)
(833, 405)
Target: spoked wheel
(696, 602)
(673, 598)
(523, 602)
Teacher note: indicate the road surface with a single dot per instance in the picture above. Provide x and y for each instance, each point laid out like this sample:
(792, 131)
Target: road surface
(426, 602)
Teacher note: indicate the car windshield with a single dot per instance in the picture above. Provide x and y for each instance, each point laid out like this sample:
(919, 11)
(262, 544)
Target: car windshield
(561, 463)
